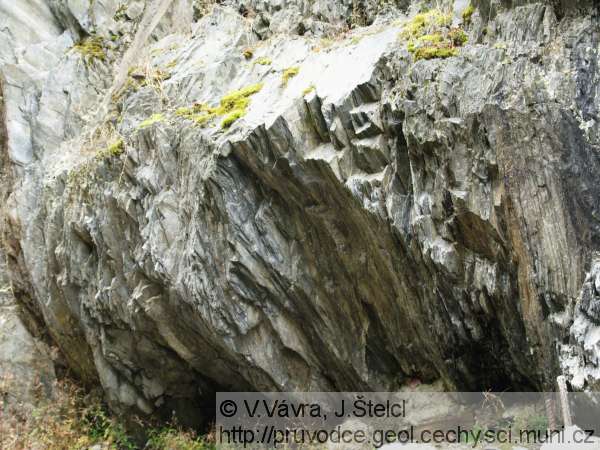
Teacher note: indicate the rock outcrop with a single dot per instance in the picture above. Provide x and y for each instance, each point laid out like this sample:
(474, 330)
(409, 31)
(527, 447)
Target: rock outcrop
(287, 196)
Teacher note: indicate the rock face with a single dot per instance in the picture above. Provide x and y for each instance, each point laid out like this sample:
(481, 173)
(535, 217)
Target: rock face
(365, 220)
(27, 371)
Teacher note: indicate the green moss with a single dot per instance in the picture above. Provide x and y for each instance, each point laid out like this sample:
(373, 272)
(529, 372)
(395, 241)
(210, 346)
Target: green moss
(248, 53)
(113, 150)
(237, 99)
(309, 89)
(432, 38)
(196, 108)
(232, 117)
(425, 22)
(435, 52)
(289, 73)
(154, 118)
(201, 119)
(467, 13)
(458, 37)
(91, 49)
(429, 36)
(263, 61)
(233, 105)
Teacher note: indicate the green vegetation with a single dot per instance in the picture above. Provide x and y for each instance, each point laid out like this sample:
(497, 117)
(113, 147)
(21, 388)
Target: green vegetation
(175, 439)
(429, 36)
(263, 61)
(435, 52)
(232, 117)
(309, 89)
(232, 106)
(421, 22)
(113, 150)
(154, 118)
(248, 53)
(121, 13)
(76, 420)
(289, 73)
(467, 13)
(91, 49)
(458, 37)
(235, 104)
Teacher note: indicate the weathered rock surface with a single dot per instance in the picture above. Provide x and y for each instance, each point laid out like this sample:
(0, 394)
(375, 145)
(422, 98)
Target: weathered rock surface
(374, 219)
(26, 366)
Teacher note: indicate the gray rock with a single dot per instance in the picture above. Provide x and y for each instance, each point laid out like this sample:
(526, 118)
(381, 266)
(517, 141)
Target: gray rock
(373, 220)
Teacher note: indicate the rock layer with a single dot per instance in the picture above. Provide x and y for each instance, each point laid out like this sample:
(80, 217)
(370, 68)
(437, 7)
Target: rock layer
(371, 220)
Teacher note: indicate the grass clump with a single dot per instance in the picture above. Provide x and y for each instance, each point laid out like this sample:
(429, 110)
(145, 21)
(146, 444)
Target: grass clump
(173, 438)
(468, 13)
(263, 61)
(138, 77)
(429, 36)
(289, 73)
(91, 49)
(73, 419)
(154, 118)
(232, 106)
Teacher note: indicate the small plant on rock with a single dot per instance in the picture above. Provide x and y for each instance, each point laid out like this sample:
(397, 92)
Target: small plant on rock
(468, 13)
(263, 61)
(91, 49)
(232, 106)
(112, 151)
(309, 89)
(289, 73)
(429, 36)
(154, 118)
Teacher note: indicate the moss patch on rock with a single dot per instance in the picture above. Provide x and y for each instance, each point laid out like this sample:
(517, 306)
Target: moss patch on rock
(289, 73)
(309, 89)
(113, 150)
(263, 61)
(232, 106)
(468, 13)
(154, 118)
(428, 35)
